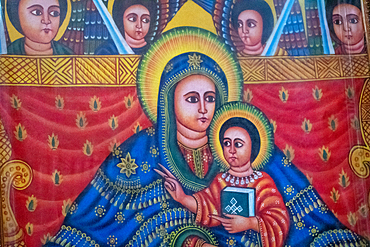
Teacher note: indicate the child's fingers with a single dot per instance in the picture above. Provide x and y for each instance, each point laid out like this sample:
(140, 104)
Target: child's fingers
(161, 173)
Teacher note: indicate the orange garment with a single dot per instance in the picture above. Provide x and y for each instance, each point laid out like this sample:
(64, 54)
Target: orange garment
(272, 215)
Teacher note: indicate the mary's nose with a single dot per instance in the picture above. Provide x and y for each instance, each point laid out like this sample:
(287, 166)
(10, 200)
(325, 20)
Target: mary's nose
(202, 107)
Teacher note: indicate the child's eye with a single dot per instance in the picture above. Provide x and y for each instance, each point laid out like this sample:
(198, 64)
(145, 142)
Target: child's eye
(36, 12)
(227, 144)
(353, 21)
(238, 144)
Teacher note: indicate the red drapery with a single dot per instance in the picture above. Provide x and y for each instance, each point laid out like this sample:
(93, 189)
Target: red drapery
(85, 132)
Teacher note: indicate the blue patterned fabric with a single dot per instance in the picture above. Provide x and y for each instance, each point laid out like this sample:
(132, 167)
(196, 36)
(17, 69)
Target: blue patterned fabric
(126, 203)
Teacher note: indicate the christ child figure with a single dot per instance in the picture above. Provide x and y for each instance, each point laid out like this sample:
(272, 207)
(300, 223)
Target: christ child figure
(241, 144)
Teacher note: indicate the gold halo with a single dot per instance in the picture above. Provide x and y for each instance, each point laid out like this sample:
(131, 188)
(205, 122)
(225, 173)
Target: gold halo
(14, 34)
(256, 117)
(173, 43)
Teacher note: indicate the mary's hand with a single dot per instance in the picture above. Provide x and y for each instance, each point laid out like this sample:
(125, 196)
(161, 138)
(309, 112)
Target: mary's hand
(171, 184)
(237, 223)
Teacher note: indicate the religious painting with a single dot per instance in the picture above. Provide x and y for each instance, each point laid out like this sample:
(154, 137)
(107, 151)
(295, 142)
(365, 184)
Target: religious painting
(184, 123)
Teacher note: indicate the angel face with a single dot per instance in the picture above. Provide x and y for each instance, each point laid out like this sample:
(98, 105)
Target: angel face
(39, 19)
(347, 22)
(250, 27)
(195, 101)
(237, 147)
(136, 22)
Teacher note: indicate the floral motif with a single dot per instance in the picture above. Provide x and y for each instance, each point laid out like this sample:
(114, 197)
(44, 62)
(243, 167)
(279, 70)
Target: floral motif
(355, 123)
(314, 231)
(289, 152)
(15, 102)
(168, 67)
(273, 124)
(350, 92)
(231, 242)
(247, 96)
(324, 153)
(73, 208)
(317, 93)
(128, 100)
(194, 61)
(95, 104)
(59, 102)
(145, 167)
(112, 241)
(150, 131)
(81, 120)
(57, 178)
(306, 126)
(100, 211)
(127, 165)
(352, 218)
(344, 179)
(324, 209)
(117, 152)
(286, 162)
(363, 210)
(283, 95)
(20, 133)
(31, 203)
(164, 205)
(53, 141)
(88, 148)
(333, 123)
(139, 217)
(137, 128)
(119, 217)
(113, 122)
(29, 229)
(334, 195)
(66, 207)
(46, 239)
(154, 151)
(289, 190)
(300, 225)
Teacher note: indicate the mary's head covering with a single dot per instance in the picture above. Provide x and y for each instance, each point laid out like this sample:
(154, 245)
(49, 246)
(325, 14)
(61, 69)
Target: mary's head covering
(178, 54)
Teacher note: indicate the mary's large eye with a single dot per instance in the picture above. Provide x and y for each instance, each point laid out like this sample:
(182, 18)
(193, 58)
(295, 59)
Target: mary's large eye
(192, 99)
(54, 13)
(36, 12)
(226, 143)
(210, 98)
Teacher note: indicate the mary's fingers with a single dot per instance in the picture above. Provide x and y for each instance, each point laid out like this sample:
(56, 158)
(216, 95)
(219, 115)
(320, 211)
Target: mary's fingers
(161, 173)
(169, 174)
(169, 186)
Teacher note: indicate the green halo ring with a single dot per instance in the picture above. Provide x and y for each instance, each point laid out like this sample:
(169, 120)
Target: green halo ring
(173, 43)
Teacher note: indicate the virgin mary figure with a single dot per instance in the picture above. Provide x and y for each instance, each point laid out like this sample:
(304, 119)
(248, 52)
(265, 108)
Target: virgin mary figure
(182, 80)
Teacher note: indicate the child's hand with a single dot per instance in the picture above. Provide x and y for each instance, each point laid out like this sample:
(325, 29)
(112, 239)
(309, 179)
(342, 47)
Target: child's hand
(237, 223)
(171, 184)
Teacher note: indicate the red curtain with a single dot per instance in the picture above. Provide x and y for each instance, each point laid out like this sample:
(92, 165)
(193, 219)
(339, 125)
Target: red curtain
(82, 119)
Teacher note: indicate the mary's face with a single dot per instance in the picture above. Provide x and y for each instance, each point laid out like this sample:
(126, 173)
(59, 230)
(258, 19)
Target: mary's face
(237, 146)
(39, 19)
(347, 22)
(195, 99)
(250, 27)
(136, 21)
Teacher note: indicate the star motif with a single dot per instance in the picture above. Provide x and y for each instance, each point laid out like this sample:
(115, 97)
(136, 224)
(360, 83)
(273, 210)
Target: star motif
(194, 61)
(127, 165)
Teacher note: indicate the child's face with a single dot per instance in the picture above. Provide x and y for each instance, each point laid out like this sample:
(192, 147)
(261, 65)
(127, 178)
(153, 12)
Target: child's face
(250, 27)
(237, 147)
(136, 21)
(347, 22)
(39, 19)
